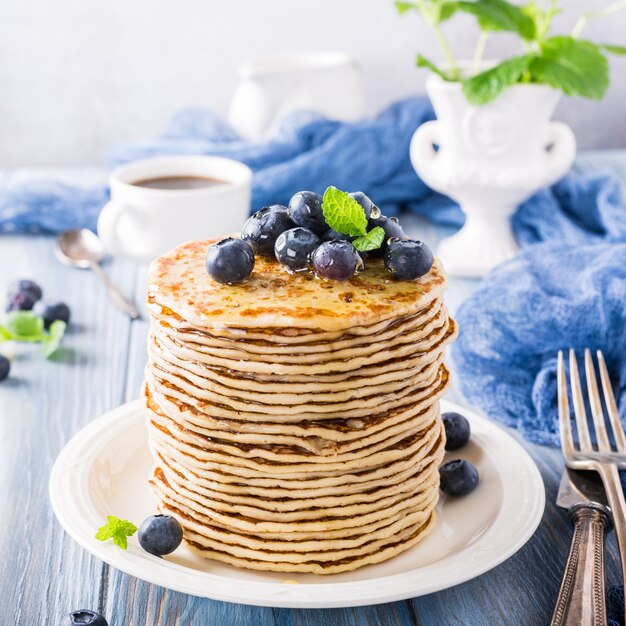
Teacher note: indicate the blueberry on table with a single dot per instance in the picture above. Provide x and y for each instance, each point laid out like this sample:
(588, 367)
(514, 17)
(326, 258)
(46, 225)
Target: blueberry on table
(408, 260)
(392, 229)
(294, 247)
(21, 301)
(368, 206)
(160, 534)
(229, 261)
(457, 430)
(5, 367)
(52, 312)
(458, 477)
(82, 617)
(262, 229)
(25, 285)
(305, 208)
(337, 260)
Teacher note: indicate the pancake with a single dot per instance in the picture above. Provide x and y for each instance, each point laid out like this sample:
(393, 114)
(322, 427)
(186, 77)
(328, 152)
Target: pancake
(294, 423)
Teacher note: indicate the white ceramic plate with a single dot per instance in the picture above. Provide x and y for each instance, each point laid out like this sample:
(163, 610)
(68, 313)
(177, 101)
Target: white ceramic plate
(104, 469)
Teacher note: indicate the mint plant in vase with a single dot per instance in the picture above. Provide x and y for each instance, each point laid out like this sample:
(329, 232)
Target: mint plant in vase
(493, 144)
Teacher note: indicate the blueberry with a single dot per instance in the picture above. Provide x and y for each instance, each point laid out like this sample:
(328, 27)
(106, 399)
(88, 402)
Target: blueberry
(21, 301)
(331, 234)
(305, 209)
(21, 286)
(5, 367)
(160, 534)
(407, 260)
(458, 477)
(368, 206)
(457, 430)
(392, 229)
(262, 229)
(337, 260)
(229, 261)
(52, 311)
(82, 617)
(294, 247)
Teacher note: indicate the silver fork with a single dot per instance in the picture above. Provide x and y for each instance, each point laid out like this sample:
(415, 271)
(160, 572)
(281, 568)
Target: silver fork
(601, 459)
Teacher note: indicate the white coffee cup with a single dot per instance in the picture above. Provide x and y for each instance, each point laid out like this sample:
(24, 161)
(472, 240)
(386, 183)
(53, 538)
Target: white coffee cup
(143, 222)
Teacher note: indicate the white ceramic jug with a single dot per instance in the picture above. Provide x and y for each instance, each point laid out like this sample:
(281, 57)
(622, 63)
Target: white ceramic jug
(489, 159)
(327, 82)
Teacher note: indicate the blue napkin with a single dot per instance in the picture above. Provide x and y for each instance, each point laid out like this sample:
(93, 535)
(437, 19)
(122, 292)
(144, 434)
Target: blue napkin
(551, 297)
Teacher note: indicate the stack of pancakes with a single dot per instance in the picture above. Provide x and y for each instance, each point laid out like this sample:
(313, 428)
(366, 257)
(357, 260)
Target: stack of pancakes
(294, 422)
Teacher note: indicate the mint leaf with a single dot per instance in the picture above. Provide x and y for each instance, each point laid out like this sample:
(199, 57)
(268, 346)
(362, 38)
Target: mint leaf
(343, 213)
(576, 67)
(371, 241)
(488, 85)
(433, 11)
(24, 326)
(498, 15)
(116, 529)
(403, 7)
(424, 62)
(613, 49)
(52, 340)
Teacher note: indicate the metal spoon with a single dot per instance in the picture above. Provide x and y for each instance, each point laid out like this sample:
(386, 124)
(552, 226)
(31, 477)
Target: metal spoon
(83, 249)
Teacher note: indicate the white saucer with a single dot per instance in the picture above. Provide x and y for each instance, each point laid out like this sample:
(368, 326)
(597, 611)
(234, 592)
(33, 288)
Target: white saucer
(104, 470)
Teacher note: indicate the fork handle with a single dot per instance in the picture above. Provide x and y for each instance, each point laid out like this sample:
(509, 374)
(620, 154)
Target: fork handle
(581, 596)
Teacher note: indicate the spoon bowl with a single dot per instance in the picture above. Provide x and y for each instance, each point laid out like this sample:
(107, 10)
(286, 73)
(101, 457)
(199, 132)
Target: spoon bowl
(80, 248)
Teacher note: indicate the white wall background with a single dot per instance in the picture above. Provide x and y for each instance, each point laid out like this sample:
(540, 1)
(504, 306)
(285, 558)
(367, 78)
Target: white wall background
(77, 75)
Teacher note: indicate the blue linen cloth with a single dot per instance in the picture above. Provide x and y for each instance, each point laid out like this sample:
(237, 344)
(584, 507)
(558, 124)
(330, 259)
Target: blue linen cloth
(551, 297)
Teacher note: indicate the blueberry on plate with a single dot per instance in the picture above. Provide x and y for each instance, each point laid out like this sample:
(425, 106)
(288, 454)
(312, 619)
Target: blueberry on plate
(371, 210)
(305, 208)
(83, 617)
(52, 312)
(262, 229)
(25, 285)
(457, 430)
(5, 367)
(458, 477)
(337, 260)
(294, 247)
(229, 261)
(392, 229)
(408, 260)
(160, 534)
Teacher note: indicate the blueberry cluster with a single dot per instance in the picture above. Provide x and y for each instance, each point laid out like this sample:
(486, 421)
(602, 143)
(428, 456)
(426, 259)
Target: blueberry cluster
(458, 477)
(26, 295)
(300, 238)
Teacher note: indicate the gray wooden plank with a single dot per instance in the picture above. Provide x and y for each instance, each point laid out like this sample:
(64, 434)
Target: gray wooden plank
(44, 574)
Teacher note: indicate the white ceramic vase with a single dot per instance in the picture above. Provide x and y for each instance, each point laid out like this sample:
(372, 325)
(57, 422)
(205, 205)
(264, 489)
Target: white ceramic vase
(327, 82)
(489, 159)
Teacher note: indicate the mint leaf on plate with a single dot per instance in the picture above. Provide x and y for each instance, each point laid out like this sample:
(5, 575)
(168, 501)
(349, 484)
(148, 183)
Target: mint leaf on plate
(498, 15)
(343, 213)
(23, 326)
(371, 241)
(433, 11)
(52, 340)
(488, 85)
(576, 67)
(118, 530)
(613, 49)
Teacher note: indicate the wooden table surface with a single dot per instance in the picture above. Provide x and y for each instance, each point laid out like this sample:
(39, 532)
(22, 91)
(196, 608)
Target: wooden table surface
(44, 574)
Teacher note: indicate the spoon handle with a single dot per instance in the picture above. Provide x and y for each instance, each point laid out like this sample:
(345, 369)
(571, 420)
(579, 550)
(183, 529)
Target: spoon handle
(120, 301)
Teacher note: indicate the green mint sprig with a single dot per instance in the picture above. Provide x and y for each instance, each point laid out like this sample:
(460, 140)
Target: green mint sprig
(27, 327)
(117, 529)
(564, 62)
(346, 216)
